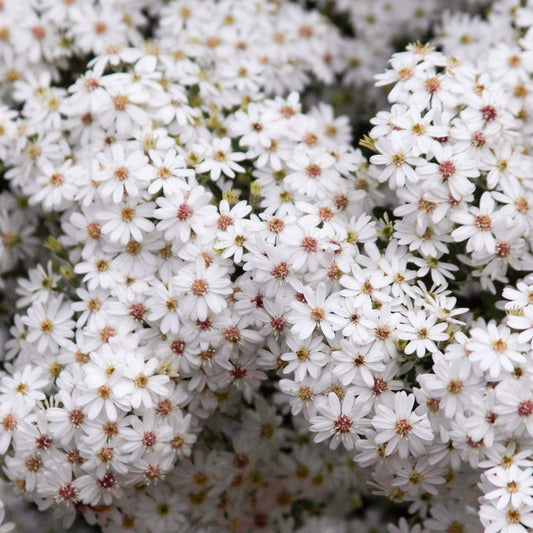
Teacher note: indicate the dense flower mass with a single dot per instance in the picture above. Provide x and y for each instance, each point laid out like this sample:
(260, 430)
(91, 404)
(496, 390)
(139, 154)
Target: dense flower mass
(220, 311)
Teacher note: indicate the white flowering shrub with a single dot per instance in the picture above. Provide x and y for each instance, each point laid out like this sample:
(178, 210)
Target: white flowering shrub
(465, 195)
(204, 279)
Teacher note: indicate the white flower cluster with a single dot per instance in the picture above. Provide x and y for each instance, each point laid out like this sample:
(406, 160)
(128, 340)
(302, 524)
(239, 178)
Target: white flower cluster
(376, 28)
(455, 149)
(227, 281)
(136, 330)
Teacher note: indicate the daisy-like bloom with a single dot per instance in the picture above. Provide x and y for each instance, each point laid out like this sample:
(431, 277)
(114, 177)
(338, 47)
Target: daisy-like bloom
(513, 486)
(12, 418)
(318, 311)
(221, 159)
(477, 225)
(302, 394)
(93, 489)
(355, 359)
(507, 519)
(314, 173)
(146, 435)
(418, 478)
(57, 186)
(39, 286)
(418, 130)
(233, 241)
(170, 172)
(520, 297)
(254, 127)
(359, 323)
(451, 517)
(400, 428)
(49, 325)
(505, 457)
(505, 166)
(439, 270)
(203, 289)
(162, 510)
(124, 221)
(510, 252)
(307, 244)
(453, 383)
(95, 398)
(422, 331)
(150, 469)
(454, 168)
(83, 228)
(365, 285)
(56, 485)
(182, 438)
(185, 212)
(164, 309)
(25, 385)
(121, 105)
(122, 174)
(396, 155)
(430, 241)
(101, 459)
(139, 383)
(173, 106)
(515, 405)
(66, 422)
(343, 422)
(308, 356)
(99, 271)
(484, 423)
(494, 348)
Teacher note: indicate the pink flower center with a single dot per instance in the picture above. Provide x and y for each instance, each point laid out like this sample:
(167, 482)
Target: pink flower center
(177, 346)
(525, 409)
(305, 393)
(224, 221)
(278, 324)
(93, 230)
(238, 372)
(343, 424)
(149, 439)
(403, 427)
(280, 271)
(67, 492)
(232, 334)
(309, 244)
(432, 85)
(313, 170)
(137, 311)
(184, 212)
(43, 442)
(199, 287)
(379, 386)
(478, 139)
(503, 249)
(318, 314)
(483, 222)
(76, 417)
(489, 113)
(33, 463)
(447, 169)
(108, 481)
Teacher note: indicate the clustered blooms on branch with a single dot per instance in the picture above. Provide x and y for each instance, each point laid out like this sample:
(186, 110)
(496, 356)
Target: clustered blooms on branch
(227, 281)
(135, 332)
(455, 148)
